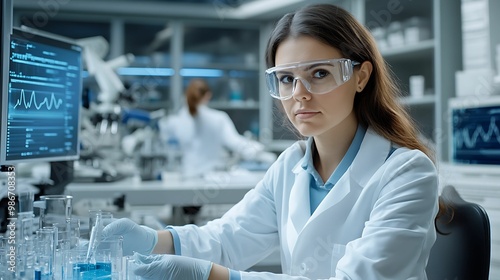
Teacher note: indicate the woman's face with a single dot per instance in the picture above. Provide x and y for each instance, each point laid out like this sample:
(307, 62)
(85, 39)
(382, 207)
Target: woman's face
(315, 114)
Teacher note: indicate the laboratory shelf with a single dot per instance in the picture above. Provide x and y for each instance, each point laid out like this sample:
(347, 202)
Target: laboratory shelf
(414, 51)
(424, 100)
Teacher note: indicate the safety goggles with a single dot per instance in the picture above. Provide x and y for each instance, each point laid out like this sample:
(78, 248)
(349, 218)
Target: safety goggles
(318, 76)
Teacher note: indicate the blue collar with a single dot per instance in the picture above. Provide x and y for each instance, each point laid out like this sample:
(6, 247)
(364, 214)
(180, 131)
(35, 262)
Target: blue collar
(308, 165)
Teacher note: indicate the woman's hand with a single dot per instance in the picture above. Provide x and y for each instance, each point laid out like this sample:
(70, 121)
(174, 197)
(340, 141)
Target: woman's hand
(171, 267)
(136, 238)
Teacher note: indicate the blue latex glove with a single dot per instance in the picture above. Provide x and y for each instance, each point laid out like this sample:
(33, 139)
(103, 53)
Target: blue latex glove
(171, 267)
(136, 238)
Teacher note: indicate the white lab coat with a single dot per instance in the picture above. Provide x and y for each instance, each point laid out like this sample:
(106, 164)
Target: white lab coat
(205, 138)
(375, 223)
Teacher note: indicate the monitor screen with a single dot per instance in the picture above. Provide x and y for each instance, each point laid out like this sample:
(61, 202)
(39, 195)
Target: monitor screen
(5, 29)
(475, 130)
(41, 109)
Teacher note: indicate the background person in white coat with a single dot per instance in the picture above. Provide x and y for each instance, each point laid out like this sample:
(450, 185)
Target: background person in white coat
(356, 200)
(206, 135)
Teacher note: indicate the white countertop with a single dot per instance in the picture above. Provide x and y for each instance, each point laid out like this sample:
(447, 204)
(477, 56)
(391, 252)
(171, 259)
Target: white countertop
(217, 187)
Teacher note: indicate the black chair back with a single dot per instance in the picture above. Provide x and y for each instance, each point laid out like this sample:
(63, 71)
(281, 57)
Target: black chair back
(463, 245)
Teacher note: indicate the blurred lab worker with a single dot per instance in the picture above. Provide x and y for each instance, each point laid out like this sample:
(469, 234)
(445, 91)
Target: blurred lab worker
(356, 200)
(205, 134)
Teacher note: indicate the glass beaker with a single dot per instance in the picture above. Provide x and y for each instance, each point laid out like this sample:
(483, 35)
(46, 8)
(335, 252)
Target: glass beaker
(55, 209)
(106, 261)
(25, 202)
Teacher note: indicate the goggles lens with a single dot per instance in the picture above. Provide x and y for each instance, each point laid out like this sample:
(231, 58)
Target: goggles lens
(318, 77)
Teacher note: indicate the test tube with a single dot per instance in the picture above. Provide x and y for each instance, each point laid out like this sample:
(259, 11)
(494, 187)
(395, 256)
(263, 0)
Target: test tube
(73, 228)
(95, 237)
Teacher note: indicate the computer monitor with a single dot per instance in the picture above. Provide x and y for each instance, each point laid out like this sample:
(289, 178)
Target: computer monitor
(5, 29)
(475, 132)
(40, 111)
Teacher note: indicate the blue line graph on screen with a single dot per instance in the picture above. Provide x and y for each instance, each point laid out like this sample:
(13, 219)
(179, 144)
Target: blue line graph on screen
(50, 104)
(476, 135)
(479, 134)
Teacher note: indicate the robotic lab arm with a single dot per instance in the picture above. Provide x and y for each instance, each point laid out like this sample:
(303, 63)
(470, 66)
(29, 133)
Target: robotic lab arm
(110, 85)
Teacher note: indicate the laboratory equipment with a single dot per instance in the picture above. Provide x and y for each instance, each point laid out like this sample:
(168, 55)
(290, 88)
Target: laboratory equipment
(110, 85)
(95, 236)
(45, 248)
(56, 212)
(145, 144)
(106, 261)
(130, 265)
(69, 234)
(41, 120)
(25, 241)
(101, 126)
(25, 200)
(54, 209)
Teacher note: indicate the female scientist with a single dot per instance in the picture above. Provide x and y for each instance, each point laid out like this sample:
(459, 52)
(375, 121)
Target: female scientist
(356, 200)
(204, 134)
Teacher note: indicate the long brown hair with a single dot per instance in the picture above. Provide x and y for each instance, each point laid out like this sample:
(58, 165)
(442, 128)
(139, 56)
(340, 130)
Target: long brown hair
(377, 105)
(196, 90)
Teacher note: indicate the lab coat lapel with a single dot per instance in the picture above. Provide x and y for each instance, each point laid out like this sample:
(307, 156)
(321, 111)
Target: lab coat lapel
(299, 205)
(371, 155)
(334, 196)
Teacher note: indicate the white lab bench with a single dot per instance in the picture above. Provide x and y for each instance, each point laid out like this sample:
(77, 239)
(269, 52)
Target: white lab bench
(215, 188)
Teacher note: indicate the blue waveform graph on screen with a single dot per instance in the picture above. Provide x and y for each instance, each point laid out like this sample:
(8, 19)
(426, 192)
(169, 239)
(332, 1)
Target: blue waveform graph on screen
(476, 135)
(36, 101)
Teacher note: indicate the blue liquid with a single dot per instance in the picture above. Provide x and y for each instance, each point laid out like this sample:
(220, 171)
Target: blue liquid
(86, 271)
(94, 274)
(38, 275)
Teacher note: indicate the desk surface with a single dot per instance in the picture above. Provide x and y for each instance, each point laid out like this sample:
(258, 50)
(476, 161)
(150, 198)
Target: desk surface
(216, 188)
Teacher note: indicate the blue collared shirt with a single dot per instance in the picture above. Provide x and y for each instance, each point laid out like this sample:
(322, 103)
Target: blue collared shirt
(319, 189)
